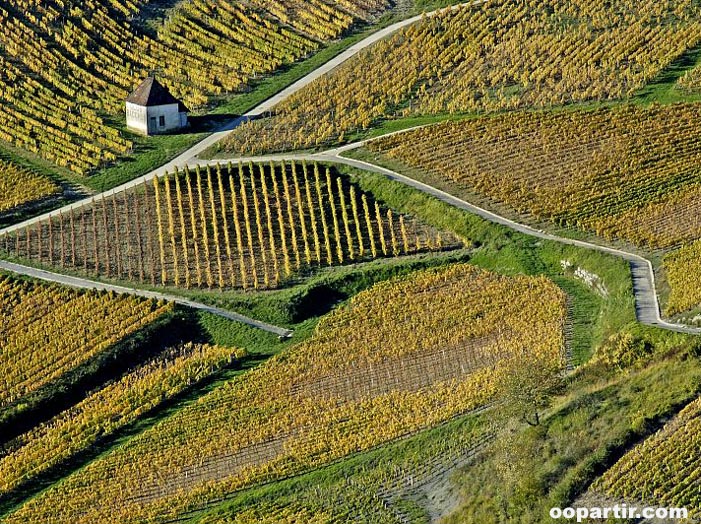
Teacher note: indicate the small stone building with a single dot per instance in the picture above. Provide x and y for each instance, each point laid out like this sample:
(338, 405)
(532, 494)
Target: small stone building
(152, 110)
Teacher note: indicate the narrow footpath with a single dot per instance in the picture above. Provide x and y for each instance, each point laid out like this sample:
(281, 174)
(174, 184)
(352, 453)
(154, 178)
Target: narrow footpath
(84, 283)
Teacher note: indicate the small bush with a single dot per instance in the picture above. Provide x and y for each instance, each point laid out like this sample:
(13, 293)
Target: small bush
(622, 350)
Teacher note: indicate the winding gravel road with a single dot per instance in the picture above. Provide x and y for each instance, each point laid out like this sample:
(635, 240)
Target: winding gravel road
(83, 283)
(646, 301)
(647, 307)
(189, 158)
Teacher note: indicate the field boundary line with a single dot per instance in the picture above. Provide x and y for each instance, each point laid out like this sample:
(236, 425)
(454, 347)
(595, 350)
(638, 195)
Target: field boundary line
(84, 283)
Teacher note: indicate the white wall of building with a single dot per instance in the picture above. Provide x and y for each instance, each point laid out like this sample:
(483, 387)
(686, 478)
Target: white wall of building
(163, 118)
(136, 118)
(153, 120)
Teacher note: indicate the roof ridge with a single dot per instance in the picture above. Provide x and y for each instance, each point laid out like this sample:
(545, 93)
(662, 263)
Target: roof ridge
(151, 92)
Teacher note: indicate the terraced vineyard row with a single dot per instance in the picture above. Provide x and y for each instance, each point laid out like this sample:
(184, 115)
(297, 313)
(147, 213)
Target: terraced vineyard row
(271, 422)
(103, 413)
(47, 330)
(664, 469)
(19, 186)
(683, 270)
(239, 226)
(64, 65)
(628, 173)
(497, 55)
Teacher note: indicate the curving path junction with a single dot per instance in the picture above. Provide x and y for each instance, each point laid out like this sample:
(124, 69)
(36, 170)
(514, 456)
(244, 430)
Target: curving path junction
(647, 306)
(644, 287)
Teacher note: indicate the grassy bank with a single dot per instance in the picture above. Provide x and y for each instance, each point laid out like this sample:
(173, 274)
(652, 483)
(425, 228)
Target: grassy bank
(602, 413)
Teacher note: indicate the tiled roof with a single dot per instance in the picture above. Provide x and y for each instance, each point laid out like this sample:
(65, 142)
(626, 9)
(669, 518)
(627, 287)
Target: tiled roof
(151, 93)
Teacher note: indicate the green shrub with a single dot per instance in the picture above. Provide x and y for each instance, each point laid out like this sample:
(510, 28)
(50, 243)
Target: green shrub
(622, 350)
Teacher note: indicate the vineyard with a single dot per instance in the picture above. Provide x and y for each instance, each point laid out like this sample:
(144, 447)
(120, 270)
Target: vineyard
(67, 67)
(683, 270)
(690, 82)
(664, 469)
(468, 312)
(627, 173)
(19, 186)
(404, 355)
(35, 345)
(108, 410)
(495, 56)
(244, 227)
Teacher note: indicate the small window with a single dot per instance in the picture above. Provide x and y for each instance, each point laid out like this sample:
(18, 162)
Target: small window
(162, 121)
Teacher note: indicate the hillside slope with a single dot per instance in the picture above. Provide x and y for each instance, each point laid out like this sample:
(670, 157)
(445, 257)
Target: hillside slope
(66, 67)
(486, 57)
